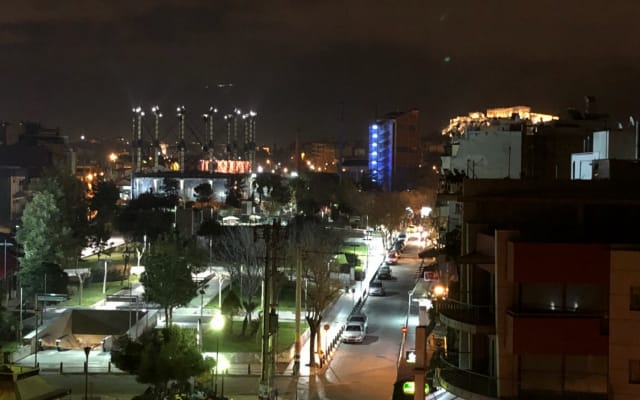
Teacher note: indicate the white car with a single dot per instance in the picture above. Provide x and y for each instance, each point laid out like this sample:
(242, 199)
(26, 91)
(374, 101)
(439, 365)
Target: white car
(359, 318)
(376, 289)
(353, 333)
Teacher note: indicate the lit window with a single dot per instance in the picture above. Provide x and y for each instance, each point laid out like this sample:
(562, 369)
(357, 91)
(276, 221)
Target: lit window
(634, 371)
(634, 298)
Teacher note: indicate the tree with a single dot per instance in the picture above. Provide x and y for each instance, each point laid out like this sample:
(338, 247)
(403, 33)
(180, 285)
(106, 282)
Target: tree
(203, 192)
(230, 307)
(143, 220)
(171, 189)
(42, 234)
(234, 187)
(167, 278)
(102, 210)
(315, 192)
(318, 245)
(243, 258)
(159, 356)
(273, 187)
(70, 197)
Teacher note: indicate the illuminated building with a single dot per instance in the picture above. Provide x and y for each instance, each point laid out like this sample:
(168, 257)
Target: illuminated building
(394, 150)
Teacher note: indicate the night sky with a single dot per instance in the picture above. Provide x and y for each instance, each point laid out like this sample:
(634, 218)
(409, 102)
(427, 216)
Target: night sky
(82, 64)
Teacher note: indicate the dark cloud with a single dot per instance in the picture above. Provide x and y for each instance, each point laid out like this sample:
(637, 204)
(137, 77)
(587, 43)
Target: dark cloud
(81, 64)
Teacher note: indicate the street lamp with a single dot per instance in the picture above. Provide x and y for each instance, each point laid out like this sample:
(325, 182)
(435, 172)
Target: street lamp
(223, 364)
(87, 350)
(217, 323)
(409, 308)
(35, 361)
(202, 292)
(220, 280)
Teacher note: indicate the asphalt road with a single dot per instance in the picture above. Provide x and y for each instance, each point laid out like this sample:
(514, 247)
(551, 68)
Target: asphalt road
(368, 370)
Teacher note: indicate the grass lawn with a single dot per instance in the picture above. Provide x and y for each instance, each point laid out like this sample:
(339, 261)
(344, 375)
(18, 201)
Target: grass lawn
(234, 343)
(92, 293)
(9, 347)
(287, 300)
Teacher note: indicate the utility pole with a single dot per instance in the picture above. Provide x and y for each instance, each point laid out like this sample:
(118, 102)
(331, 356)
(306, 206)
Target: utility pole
(296, 362)
(269, 316)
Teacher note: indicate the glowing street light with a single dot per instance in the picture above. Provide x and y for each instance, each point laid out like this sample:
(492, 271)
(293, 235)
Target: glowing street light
(217, 323)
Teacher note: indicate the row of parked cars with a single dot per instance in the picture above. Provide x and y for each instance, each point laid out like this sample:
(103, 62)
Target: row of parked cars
(357, 324)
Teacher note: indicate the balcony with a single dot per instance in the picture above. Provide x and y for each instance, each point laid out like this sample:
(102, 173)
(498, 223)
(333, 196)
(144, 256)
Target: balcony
(465, 383)
(467, 317)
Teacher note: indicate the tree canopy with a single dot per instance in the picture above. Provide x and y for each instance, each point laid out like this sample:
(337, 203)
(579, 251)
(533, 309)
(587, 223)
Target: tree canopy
(159, 356)
(167, 278)
(147, 215)
(317, 246)
(42, 234)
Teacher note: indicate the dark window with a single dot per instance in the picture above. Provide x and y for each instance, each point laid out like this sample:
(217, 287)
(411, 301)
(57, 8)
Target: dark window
(634, 371)
(634, 299)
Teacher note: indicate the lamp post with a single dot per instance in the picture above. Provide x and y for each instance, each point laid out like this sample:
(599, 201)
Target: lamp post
(220, 280)
(200, 336)
(35, 361)
(409, 308)
(87, 350)
(222, 365)
(217, 323)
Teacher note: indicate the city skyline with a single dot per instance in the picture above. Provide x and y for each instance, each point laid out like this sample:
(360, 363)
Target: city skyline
(312, 70)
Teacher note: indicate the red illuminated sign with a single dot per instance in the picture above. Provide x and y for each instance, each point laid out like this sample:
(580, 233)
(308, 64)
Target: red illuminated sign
(227, 166)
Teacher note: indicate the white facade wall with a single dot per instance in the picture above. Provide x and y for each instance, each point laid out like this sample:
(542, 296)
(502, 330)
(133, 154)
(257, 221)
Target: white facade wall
(491, 153)
(620, 145)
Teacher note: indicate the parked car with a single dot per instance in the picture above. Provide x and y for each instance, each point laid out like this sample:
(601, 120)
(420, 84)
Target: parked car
(384, 272)
(399, 245)
(354, 332)
(392, 258)
(376, 289)
(359, 318)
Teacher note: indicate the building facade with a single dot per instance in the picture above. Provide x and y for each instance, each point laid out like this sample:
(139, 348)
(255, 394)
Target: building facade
(394, 150)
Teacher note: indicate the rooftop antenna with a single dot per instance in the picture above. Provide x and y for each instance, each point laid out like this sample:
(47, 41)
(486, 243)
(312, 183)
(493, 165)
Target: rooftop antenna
(634, 123)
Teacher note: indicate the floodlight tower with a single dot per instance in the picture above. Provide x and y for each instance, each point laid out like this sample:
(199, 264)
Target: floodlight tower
(245, 136)
(209, 121)
(137, 138)
(252, 137)
(181, 144)
(156, 136)
(236, 125)
(229, 119)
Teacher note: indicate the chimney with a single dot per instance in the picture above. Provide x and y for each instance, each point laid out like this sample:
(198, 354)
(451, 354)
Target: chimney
(589, 105)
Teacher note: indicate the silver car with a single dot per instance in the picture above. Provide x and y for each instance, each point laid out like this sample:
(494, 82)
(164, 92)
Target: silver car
(376, 289)
(353, 333)
(359, 318)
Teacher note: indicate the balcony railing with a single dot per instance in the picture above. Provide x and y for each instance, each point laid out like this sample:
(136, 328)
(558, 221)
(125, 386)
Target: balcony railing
(467, 380)
(467, 313)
